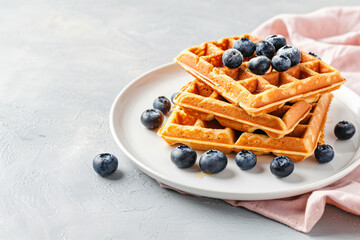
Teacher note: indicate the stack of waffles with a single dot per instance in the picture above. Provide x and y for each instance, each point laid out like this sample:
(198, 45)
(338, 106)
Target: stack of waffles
(230, 110)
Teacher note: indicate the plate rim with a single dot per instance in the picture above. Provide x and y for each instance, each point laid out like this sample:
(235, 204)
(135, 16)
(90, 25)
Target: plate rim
(211, 193)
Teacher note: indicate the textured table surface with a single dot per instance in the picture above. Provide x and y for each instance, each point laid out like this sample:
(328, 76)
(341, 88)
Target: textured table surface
(62, 64)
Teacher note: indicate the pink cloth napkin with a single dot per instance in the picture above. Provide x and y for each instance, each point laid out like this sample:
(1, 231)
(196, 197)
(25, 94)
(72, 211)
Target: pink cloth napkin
(334, 35)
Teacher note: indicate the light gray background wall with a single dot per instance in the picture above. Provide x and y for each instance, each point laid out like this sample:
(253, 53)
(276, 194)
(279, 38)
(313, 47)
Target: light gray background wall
(61, 65)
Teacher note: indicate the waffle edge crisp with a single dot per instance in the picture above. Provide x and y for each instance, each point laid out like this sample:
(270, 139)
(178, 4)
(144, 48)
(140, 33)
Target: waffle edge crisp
(204, 135)
(199, 100)
(258, 94)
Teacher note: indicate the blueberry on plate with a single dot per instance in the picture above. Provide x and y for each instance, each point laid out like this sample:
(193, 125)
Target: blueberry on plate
(277, 40)
(152, 118)
(105, 164)
(232, 58)
(213, 161)
(344, 130)
(245, 160)
(281, 166)
(324, 153)
(315, 55)
(292, 53)
(280, 63)
(163, 104)
(259, 65)
(173, 96)
(265, 48)
(183, 156)
(245, 46)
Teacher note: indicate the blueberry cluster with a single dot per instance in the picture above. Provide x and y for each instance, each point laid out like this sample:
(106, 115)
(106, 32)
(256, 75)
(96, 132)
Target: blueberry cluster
(343, 130)
(214, 161)
(153, 118)
(272, 51)
(106, 164)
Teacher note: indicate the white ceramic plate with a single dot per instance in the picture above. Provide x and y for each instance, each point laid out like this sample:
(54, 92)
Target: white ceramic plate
(152, 154)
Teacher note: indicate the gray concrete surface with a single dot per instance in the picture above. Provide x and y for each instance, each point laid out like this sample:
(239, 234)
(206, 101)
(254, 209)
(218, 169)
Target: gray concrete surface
(61, 65)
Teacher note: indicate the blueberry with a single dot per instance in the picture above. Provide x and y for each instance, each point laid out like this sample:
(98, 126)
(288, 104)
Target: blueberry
(344, 130)
(324, 153)
(245, 160)
(173, 96)
(259, 65)
(213, 161)
(265, 48)
(105, 164)
(280, 63)
(292, 53)
(245, 46)
(152, 118)
(281, 166)
(277, 40)
(232, 58)
(183, 156)
(163, 104)
(315, 55)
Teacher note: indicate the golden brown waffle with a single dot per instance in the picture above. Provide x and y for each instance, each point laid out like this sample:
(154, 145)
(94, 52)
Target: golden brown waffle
(200, 101)
(205, 135)
(258, 94)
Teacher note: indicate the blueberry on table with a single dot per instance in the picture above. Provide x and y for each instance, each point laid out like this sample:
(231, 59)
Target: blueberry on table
(344, 130)
(324, 153)
(280, 63)
(245, 160)
(173, 96)
(105, 164)
(281, 166)
(314, 55)
(265, 48)
(152, 118)
(259, 65)
(292, 53)
(163, 104)
(183, 156)
(245, 46)
(232, 58)
(277, 40)
(213, 161)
